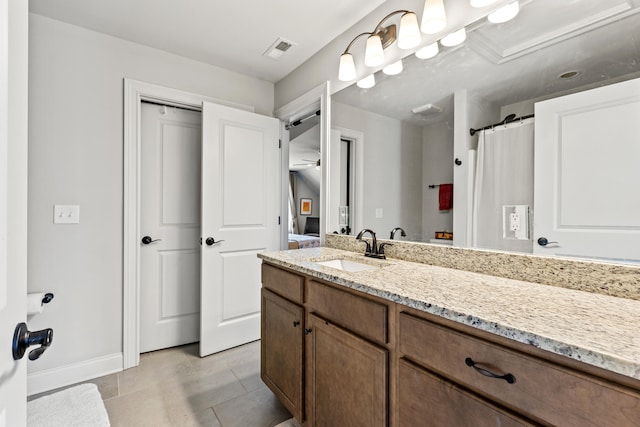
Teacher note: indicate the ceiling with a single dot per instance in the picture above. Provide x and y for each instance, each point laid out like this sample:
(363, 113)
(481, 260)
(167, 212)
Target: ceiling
(515, 61)
(232, 34)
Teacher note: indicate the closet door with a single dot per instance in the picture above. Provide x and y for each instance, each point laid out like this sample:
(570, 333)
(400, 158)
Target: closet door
(240, 218)
(586, 198)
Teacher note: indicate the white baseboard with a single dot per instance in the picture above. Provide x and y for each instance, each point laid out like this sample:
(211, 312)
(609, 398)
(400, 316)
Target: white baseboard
(51, 379)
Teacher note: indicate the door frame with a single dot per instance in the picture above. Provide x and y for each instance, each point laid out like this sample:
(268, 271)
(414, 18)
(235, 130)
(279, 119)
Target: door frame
(134, 93)
(357, 174)
(317, 98)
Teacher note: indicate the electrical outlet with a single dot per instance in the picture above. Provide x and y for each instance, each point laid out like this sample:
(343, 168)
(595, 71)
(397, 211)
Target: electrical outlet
(514, 221)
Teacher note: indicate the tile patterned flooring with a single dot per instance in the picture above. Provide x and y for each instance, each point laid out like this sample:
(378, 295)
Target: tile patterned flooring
(175, 387)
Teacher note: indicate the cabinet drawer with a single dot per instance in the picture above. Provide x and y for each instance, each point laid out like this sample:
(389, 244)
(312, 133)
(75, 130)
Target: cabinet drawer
(360, 315)
(428, 400)
(542, 390)
(282, 282)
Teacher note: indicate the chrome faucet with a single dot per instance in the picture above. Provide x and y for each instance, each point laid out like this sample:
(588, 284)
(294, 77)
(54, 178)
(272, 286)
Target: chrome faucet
(372, 249)
(393, 232)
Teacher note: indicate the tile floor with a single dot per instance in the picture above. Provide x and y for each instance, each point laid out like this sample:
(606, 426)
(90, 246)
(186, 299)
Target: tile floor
(175, 387)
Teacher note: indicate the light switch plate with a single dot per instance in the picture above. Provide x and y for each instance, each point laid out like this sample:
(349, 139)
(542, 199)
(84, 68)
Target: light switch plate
(66, 214)
(379, 213)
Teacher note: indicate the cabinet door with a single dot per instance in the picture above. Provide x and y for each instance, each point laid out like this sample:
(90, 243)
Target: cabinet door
(427, 400)
(347, 378)
(281, 350)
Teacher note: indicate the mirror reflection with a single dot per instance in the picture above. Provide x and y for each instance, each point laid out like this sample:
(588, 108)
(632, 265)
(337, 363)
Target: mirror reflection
(418, 152)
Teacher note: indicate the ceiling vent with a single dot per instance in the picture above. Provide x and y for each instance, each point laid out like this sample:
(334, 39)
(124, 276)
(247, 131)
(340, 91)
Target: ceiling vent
(427, 109)
(278, 48)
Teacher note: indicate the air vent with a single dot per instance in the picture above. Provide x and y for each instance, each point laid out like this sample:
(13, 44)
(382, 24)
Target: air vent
(427, 109)
(278, 48)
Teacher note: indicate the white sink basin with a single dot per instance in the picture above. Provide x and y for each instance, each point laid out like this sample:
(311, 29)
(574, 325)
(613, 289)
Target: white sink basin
(347, 265)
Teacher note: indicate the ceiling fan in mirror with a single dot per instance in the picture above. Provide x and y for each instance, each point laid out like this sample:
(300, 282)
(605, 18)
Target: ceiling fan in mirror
(309, 163)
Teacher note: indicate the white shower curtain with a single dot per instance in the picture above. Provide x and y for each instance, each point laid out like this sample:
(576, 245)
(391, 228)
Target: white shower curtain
(503, 176)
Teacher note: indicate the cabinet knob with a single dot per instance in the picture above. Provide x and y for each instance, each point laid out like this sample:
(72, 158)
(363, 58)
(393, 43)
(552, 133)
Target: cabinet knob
(296, 323)
(307, 331)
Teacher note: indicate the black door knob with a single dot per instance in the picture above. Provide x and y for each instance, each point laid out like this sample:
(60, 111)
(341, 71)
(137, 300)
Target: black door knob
(211, 241)
(23, 339)
(147, 239)
(543, 241)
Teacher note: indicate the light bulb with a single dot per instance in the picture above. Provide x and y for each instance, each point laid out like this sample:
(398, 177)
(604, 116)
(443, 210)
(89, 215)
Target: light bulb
(505, 13)
(367, 82)
(434, 17)
(409, 34)
(455, 38)
(347, 69)
(373, 54)
(393, 69)
(428, 51)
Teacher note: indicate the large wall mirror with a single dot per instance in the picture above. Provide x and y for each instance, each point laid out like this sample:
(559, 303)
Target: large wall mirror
(417, 140)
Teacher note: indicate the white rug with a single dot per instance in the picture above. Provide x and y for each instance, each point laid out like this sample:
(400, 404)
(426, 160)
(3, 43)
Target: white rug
(289, 423)
(79, 406)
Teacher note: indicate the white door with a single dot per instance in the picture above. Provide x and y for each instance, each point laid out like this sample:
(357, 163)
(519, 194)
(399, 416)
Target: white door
(13, 207)
(587, 153)
(170, 226)
(240, 218)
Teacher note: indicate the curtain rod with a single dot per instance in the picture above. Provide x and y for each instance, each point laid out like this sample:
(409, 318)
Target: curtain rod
(509, 119)
(300, 121)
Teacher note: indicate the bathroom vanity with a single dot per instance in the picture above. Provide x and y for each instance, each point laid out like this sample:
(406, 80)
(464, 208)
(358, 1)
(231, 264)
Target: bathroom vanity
(349, 340)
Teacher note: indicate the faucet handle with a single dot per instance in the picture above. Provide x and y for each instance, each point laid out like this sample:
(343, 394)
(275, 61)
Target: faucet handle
(381, 247)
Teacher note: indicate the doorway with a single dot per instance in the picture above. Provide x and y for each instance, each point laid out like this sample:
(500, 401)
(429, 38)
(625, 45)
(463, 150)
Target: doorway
(134, 93)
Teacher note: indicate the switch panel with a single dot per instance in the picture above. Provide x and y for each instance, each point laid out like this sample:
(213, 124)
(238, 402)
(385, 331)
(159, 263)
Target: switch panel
(379, 213)
(515, 222)
(66, 214)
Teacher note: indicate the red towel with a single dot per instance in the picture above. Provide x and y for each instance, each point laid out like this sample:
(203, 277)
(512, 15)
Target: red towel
(446, 197)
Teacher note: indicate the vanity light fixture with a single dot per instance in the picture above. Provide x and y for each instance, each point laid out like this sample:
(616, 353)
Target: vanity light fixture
(428, 51)
(455, 38)
(367, 82)
(505, 13)
(393, 69)
(408, 37)
(434, 17)
(482, 3)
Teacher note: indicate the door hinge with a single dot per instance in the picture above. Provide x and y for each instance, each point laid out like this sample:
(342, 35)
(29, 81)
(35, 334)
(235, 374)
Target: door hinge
(279, 143)
(278, 220)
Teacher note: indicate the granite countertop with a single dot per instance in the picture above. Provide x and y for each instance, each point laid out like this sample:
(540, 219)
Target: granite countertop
(595, 329)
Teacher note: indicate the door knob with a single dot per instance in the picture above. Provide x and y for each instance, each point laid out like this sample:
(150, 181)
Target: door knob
(543, 241)
(147, 239)
(211, 241)
(23, 338)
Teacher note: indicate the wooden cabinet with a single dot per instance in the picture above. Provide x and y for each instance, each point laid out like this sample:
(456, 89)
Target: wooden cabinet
(281, 350)
(347, 378)
(539, 390)
(338, 357)
(425, 399)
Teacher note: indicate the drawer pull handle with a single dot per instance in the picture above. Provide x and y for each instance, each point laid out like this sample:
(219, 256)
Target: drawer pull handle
(507, 377)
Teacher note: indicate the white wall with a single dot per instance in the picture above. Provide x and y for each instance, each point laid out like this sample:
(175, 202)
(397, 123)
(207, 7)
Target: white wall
(437, 169)
(76, 157)
(392, 169)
